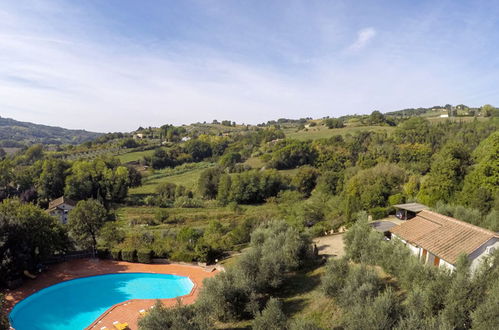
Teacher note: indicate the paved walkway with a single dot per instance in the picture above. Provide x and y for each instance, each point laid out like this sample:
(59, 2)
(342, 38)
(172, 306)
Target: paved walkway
(127, 311)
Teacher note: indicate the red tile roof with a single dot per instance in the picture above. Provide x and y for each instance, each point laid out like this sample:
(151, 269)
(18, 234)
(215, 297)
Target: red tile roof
(443, 236)
(61, 200)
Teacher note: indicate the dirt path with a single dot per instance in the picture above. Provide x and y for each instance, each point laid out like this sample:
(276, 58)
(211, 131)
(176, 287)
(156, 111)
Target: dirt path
(330, 245)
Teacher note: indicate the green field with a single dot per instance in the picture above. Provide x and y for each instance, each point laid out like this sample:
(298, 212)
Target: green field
(134, 156)
(186, 175)
(255, 162)
(321, 132)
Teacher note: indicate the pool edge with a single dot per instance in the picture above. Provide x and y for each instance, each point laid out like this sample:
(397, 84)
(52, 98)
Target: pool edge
(126, 302)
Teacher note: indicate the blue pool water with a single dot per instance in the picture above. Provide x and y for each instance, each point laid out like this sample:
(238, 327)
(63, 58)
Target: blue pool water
(75, 304)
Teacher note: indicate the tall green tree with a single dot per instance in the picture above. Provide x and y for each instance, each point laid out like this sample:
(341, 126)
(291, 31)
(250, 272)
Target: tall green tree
(305, 180)
(85, 221)
(208, 182)
(481, 185)
(52, 179)
(446, 175)
(27, 236)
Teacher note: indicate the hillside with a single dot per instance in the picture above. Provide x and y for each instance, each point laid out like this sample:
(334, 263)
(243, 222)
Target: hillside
(13, 132)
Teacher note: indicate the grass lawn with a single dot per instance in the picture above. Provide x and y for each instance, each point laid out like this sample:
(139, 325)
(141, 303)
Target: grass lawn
(291, 172)
(255, 162)
(134, 156)
(320, 132)
(186, 175)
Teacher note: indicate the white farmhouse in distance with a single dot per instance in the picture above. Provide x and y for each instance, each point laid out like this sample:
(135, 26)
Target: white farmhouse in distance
(60, 208)
(439, 240)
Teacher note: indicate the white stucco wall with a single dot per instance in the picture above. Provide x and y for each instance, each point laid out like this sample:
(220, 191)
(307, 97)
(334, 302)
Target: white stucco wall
(480, 254)
(445, 264)
(476, 258)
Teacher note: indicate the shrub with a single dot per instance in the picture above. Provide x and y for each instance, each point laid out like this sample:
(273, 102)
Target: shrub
(187, 202)
(380, 212)
(129, 255)
(161, 215)
(178, 317)
(116, 254)
(396, 199)
(144, 256)
(4, 323)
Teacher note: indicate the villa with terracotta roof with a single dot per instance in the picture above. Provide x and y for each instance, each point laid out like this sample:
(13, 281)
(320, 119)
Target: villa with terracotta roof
(438, 239)
(60, 208)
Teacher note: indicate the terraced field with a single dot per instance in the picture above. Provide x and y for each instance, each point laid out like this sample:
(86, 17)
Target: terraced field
(134, 156)
(186, 175)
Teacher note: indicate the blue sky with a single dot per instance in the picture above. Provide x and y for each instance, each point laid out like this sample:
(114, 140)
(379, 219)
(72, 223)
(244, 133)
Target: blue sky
(116, 65)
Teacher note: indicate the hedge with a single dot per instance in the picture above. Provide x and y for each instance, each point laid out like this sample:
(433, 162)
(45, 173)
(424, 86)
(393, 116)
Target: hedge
(144, 256)
(380, 212)
(103, 253)
(129, 255)
(116, 254)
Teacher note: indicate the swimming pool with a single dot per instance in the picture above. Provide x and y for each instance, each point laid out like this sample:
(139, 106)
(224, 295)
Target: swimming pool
(75, 304)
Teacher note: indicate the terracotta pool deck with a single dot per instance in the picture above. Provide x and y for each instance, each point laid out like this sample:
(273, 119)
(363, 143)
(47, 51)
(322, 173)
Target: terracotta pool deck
(127, 311)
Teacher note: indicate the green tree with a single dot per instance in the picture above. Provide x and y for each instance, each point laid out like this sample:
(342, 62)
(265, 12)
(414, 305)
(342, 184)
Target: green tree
(334, 276)
(271, 318)
(462, 297)
(208, 182)
(230, 159)
(82, 181)
(486, 315)
(333, 123)
(381, 312)
(292, 153)
(27, 235)
(376, 118)
(481, 185)
(85, 222)
(249, 187)
(371, 188)
(305, 180)
(413, 130)
(445, 177)
(198, 149)
(52, 179)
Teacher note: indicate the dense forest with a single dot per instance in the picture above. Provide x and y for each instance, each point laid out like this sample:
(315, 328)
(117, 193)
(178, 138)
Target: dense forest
(15, 133)
(203, 192)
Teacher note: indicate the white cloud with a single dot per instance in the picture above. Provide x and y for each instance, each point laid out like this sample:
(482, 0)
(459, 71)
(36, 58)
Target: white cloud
(364, 36)
(60, 77)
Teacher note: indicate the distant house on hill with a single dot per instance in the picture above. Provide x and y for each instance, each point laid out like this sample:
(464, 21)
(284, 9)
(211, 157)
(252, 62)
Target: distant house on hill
(60, 208)
(408, 210)
(438, 239)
